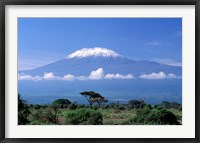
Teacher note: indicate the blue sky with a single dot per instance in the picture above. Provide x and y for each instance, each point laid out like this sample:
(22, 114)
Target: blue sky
(45, 40)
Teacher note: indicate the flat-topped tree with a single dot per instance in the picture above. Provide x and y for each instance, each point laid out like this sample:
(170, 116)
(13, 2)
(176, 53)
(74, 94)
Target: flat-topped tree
(93, 97)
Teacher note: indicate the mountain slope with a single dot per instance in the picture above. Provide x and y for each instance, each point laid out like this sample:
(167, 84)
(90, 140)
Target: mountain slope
(83, 61)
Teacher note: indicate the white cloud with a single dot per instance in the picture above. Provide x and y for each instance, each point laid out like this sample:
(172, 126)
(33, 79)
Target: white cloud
(94, 75)
(49, 76)
(68, 77)
(118, 76)
(160, 75)
(172, 76)
(37, 77)
(97, 74)
(82, 78)
(28, 77)
(25, 77)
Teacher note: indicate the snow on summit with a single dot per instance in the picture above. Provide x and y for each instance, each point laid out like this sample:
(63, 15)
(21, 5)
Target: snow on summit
(96, 52)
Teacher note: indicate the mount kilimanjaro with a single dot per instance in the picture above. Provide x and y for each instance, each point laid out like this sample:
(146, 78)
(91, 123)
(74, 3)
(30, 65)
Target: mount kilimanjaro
(83, 61)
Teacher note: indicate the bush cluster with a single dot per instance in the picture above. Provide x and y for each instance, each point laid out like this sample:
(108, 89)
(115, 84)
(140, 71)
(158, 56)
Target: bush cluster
(45, 115)
(62, 103)
(84, 117)
(167, 104)
(154, 116)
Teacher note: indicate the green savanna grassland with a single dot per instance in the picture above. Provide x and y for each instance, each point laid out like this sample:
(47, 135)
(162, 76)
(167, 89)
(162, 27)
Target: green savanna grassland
(98, 112)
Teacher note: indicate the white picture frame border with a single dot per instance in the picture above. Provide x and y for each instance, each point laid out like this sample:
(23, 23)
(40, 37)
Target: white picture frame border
(186, 130)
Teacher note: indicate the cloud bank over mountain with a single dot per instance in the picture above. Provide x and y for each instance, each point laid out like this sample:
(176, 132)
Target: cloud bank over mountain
(97, 75)
(94, 75)
(160, 75)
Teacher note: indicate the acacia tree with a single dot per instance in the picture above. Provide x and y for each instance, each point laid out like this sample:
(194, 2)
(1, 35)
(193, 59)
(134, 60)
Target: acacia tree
(93, 97)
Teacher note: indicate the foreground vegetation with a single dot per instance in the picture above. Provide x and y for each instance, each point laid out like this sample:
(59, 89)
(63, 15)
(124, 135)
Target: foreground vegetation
(64, 112)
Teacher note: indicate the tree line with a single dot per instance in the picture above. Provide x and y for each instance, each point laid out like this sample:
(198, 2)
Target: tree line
(81, 114)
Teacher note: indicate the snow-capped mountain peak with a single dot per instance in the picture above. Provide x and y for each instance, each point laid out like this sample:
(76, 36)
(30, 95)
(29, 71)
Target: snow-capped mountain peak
(96, 52)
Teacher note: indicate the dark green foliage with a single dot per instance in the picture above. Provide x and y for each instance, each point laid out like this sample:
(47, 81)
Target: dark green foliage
(62, 111)
(23, 111)
(37, 106)
(123, 106)
(156, 106)
(148, 106)
(72, 106)
(111, 105)
(31, 105)
(94, 97)
(120, 107)
(180, 108)
(167, 104)
(81, 106)
(92, 94)
(52, 114)
(154, 116)
(45, 115)
(84, 117)
(37, 117)
(136, 104)
(62, 103)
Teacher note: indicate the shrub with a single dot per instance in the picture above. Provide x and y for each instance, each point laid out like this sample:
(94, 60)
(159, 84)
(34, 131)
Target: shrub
(136, 104)
(72, 106)
(155, 116)
(37, 106)
(37, 117)
(83, 117)
(23, 111)
(62, 103)
(44, 116)
(111, 105)
(52, 114)
(167, 104)
(79, 106)
(122, 107)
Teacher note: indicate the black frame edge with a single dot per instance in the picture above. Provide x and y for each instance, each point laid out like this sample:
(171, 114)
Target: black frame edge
(101, 2)
(2, 71)
(197, 61)
(3, 3)
(99, 140)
